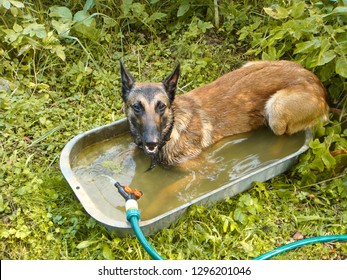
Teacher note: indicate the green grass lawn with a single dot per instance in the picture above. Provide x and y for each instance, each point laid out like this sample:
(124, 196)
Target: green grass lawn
(57, 85)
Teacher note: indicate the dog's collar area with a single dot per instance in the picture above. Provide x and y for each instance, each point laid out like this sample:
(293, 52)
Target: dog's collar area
(152, 165)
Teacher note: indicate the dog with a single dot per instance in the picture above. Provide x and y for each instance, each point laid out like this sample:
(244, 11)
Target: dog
(173, 129)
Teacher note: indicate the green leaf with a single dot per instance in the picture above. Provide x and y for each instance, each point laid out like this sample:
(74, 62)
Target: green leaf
(306, 47)
(6, 4)
(308, 178)
(183, 9)
(11, 35)
(326, 57)
(14, 11)
(83, 17)
(17, 28)
(2, 204)
(271, 54)
(279, 35)
(59, 51)
(138, 9)
(107, 252)
(21, 191)
(203, 25)
(17, 4)
(317, 164)
(246, 246)
(327, 71)
(157, 16)
(328, 160)
(333, 132)
(344, 217)
(35, 29)
(298, 9)
(341, 66)
(24, 49)
(225, 224)
(341, 48)
(88, 5)
(126, 6)
(61, 12)
(61, 28)
(85, 244)
(316, 145)
(340, 10)
(277, 12)
(261, 188)
(240, 216)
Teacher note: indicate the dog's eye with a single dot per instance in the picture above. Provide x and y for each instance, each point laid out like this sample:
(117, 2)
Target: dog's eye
(161, 107)
(137, 108)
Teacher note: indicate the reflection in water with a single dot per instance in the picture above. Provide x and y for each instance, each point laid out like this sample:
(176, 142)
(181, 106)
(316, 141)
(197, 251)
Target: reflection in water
(166, 188)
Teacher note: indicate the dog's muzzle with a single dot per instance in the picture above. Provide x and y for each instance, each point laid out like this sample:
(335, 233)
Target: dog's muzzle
(151, 148)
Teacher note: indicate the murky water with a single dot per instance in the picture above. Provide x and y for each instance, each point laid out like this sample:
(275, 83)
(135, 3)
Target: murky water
(166, 188)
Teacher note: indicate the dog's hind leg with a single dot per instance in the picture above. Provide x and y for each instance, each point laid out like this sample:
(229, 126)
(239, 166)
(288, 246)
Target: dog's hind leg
(293, 109)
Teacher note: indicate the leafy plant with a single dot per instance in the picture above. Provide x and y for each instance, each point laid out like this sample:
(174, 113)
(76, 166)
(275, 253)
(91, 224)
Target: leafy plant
(312, 33)
(327, 153)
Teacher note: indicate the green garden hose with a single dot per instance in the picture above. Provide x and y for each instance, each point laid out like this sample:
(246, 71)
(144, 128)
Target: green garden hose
(133, 216)
(300, 243)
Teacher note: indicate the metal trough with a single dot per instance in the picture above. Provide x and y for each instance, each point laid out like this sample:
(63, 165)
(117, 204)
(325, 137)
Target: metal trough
(98, 200)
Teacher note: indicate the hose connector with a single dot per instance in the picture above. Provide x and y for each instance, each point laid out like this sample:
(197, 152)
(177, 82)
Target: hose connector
(127, 193)
(131, 204)
(132, 210)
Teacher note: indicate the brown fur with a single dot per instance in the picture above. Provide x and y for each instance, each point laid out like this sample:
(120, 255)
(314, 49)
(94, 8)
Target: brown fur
(281, 94)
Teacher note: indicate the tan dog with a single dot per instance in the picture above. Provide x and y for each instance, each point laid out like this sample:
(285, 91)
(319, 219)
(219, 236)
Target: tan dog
(172, 129)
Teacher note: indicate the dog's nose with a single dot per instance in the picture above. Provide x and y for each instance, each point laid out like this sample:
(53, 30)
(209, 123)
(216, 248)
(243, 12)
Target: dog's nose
(151, 147)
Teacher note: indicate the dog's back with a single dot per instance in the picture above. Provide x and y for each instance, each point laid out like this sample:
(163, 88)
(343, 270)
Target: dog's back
(281, 94)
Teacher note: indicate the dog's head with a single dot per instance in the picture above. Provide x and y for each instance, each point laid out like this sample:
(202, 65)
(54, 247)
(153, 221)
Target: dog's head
(148, 107)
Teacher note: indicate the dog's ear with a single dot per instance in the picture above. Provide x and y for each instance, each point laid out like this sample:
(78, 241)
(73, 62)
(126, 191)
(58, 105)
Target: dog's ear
(170, 83)
(128, 80)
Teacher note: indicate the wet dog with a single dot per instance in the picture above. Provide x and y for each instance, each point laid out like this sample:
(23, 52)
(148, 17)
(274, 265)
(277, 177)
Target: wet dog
(172, 129)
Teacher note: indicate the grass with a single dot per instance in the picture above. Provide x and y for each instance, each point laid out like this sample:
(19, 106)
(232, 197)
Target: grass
(50, 100)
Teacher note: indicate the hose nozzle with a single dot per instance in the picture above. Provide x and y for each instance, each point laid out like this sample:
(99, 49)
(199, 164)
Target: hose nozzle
(127, 193)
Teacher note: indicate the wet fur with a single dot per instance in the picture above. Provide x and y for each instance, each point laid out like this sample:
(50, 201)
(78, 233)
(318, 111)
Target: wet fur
(280, 94)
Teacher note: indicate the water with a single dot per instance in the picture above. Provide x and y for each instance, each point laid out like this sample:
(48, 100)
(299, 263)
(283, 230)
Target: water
(166, 188)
